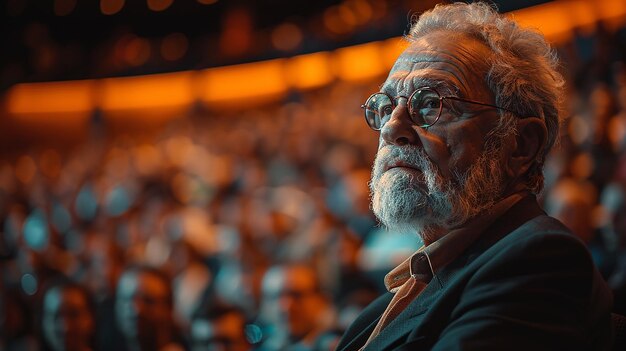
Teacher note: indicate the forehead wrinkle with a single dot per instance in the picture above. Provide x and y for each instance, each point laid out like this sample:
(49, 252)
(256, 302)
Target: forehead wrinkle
(405, 82)
(463, 61)
(455, 70)
(427, 56)
(462, 48)
(474, 65)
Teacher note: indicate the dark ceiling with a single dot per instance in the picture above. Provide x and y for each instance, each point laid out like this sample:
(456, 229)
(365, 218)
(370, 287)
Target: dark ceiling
(39, 45)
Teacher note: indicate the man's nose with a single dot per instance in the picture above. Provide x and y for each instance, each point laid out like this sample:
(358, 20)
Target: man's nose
(400, 129)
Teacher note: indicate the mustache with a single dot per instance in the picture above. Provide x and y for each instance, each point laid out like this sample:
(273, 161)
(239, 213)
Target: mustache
(401, 156)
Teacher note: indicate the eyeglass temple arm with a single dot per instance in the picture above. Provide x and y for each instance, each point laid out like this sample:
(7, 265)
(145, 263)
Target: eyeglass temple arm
(477, 103)
(370, 109)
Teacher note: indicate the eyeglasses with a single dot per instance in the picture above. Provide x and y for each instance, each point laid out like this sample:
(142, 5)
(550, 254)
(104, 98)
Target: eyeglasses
(425, 107)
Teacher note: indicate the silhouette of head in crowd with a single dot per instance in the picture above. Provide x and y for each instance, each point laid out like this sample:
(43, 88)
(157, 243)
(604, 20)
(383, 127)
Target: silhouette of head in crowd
(68, 317)
(144, 309)
(221, 328)
(294, 294)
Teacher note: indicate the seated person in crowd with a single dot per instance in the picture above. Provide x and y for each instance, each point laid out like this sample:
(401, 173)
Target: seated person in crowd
(68, 317)
(295, 306)
(222, 328)
(143, 308)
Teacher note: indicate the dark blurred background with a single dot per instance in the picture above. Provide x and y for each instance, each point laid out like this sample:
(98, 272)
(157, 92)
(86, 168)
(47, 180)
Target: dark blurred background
(70, 39)
(207, 150)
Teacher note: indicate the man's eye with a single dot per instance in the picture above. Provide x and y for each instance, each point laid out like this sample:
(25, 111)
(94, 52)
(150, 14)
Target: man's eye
(430, 102)
(386, 110)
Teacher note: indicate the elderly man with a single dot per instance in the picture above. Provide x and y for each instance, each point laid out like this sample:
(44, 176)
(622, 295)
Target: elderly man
(466, 118)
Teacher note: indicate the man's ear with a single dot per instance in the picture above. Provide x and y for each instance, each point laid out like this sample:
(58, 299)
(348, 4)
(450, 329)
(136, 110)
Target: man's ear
(530, 140)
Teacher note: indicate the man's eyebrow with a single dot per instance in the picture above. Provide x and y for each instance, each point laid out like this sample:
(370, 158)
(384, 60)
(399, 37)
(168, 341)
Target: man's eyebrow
(386, 88)
(409, 85)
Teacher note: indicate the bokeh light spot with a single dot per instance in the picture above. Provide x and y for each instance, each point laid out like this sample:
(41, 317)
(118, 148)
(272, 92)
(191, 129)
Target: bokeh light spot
(118, 201)
(36, 232)
(254, 334)
(159, 5)
(111, 7)
(29, 284)
(25, 169)
(174, 46)
(286, 37)
(61, 218)
(86, 203)
(50, 163)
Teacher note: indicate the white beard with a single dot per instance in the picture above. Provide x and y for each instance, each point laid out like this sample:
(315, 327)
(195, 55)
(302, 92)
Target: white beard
(404, 200)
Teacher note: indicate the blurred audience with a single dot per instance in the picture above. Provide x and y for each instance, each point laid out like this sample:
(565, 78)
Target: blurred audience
(572, 202)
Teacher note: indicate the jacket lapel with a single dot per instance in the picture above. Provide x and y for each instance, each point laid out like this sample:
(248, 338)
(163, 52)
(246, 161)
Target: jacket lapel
(361, 338)
(407, 320)
(362, 327)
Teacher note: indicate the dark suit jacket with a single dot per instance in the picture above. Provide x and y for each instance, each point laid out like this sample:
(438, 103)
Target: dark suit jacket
(526, 284)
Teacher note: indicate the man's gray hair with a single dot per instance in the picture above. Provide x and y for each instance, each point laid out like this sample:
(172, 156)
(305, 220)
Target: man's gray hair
(523, 69)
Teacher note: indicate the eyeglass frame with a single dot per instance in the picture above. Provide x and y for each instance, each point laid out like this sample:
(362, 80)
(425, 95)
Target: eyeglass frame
(441, 99)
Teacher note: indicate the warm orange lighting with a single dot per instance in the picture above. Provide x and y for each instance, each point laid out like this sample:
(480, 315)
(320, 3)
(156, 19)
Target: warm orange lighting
(111, 7)
(152, 91)
(557, 19)
(613, 12)
(347, 15)
(74, 96)
(182, 187)
(159, 5)
(146, 159)
(359, 62)
(581, 166)
(179, 150)
(309, 71)
(391, 49)
(582, 15)
(553, 21)
(174, 46)
(361, 9)
(241, 82)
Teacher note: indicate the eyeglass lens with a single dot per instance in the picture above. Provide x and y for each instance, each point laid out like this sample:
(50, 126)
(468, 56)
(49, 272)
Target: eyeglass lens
(424, 107)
